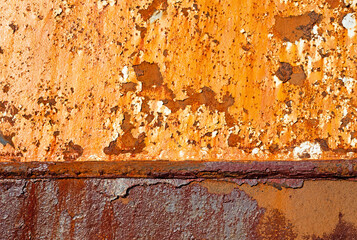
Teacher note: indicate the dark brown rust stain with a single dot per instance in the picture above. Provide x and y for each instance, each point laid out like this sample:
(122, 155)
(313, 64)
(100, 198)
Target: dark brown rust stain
(274, 225)
(298, 76)
(143, 30)
(353, 135)
(206, 97)
(149, 74)
(343, 231)
(114, 109)
(346, 120)
(234, 140)
(154, 6)
(13, 27)
(6, 88)
(294, 74)
(165, 53)
(30, 212)
(293, 28)
(126, 143)
(323, 144)
(145, 108)
(129, 87)
(50, 101)
(284, 72)
(72, 151)
(8, 107)
(153, 87)
(1, 50)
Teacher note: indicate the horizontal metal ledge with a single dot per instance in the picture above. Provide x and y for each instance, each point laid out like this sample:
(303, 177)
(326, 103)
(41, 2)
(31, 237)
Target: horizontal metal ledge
(332, 169)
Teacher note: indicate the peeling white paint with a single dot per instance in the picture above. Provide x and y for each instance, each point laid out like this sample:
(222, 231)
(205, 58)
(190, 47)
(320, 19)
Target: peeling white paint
(314, 30)
(94, 158)
(112, 2)
(157, 15)
(349, 83)
(312, 149)
(125, 72)
(349, 22)
(101, 4)
(351, 3)
(57, 12)
(158, 106)
(255, 151)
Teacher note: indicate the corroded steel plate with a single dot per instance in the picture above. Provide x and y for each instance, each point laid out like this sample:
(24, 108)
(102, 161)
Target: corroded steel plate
(177, 80)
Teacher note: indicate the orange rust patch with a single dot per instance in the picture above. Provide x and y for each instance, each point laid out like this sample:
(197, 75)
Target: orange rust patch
(293, 28)
(155, 5)
(343, 230)
(335, 3)
(74, 69)
(218, 187)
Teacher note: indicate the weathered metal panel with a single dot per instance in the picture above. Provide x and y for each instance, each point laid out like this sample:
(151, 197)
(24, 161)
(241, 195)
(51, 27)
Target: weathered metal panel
(84, 83)
(166, 79)
(175, 209)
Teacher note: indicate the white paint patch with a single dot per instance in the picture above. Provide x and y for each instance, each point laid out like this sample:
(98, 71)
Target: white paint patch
(352, 3)
(314, 30)
(57, 12)
(300, 47)
(255, 151)
(117, 131)
(354, 142)
(136, 103)
(125, 72)
(288, 46)
(277, 81)
(349, 83)
(156, 16)
(101, 4)
(214, 133)
(158, 106)
(94, 158)
(349, 22)
(307, 148)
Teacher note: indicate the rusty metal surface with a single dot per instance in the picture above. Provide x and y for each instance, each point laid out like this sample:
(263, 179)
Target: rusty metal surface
(248, 108)
(342, 169)
(165, 79)
(175, 209)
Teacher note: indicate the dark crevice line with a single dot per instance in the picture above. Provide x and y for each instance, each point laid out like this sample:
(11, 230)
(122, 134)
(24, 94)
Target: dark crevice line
(316, 169)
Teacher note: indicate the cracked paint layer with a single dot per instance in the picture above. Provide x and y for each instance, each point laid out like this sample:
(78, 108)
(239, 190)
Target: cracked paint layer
(177, 80)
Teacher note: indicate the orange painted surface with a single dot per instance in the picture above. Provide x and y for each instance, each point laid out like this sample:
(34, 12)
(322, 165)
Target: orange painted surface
(177, 80)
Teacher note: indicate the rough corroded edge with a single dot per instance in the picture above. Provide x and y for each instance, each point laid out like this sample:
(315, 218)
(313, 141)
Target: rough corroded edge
(334, 169)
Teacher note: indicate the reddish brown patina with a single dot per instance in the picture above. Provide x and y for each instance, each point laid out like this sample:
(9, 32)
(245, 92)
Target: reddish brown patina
(337, 169)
